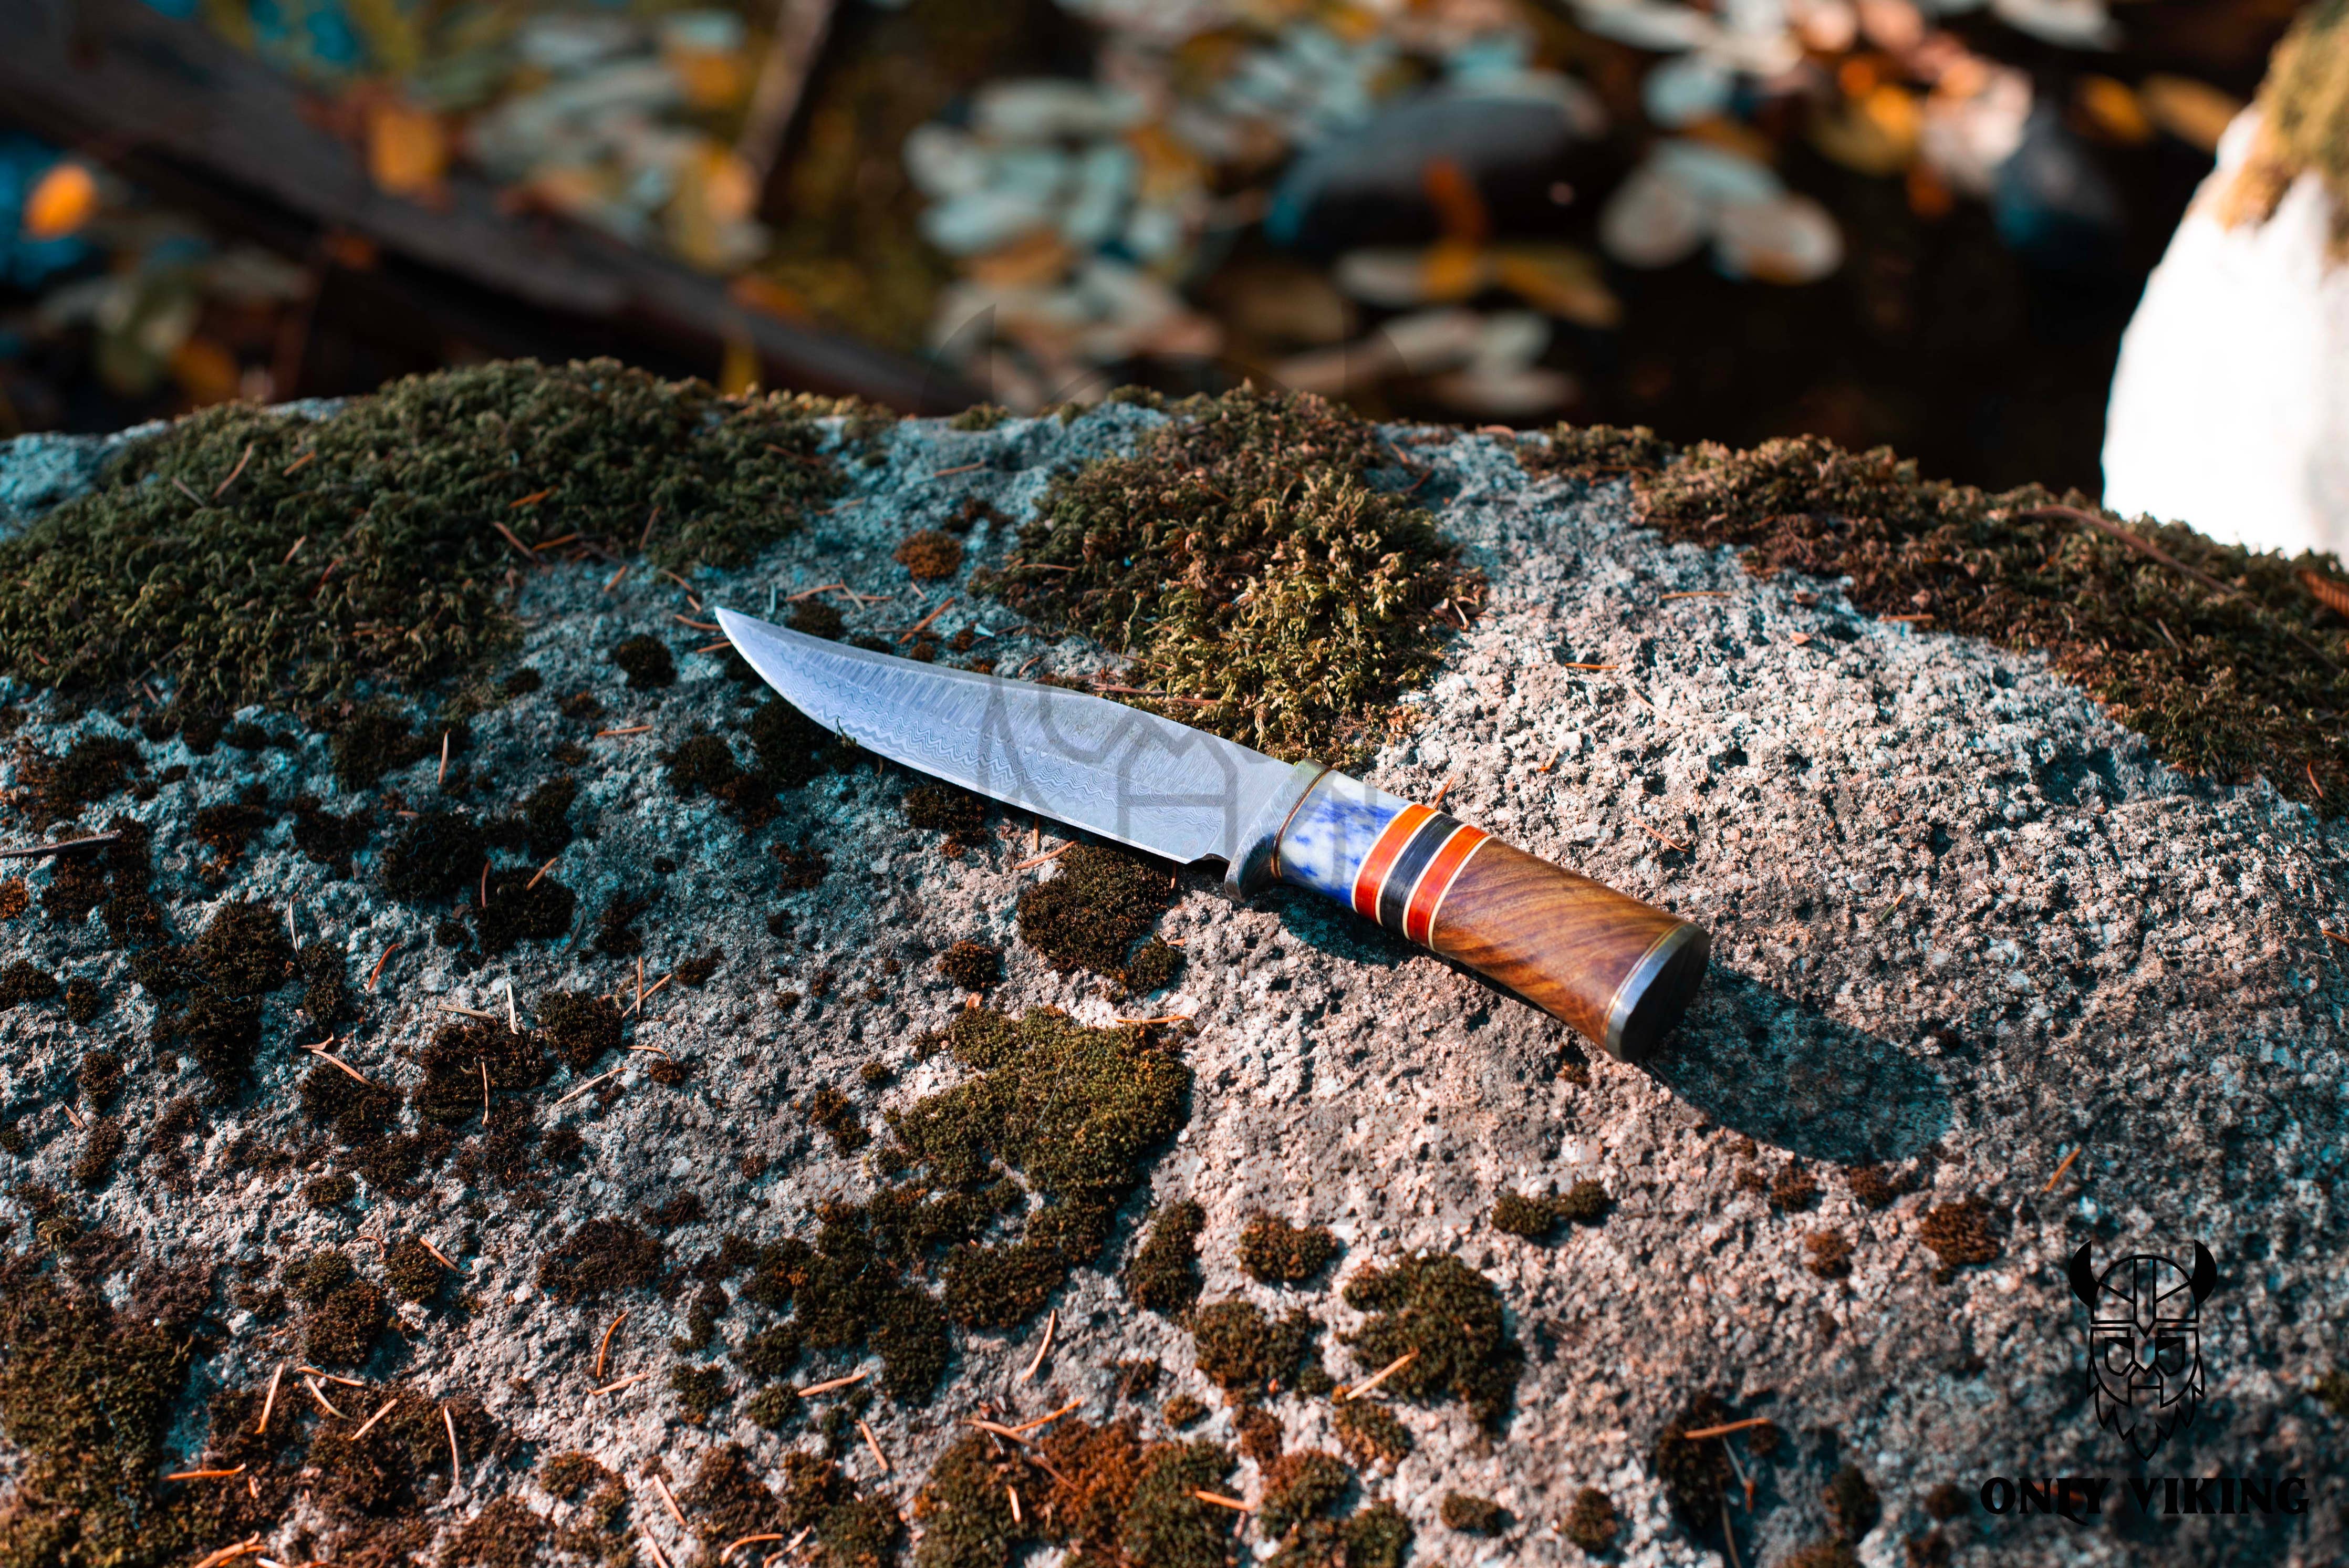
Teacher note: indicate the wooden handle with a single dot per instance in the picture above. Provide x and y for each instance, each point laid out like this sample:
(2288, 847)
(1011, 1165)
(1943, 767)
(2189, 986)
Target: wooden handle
(1620, 972)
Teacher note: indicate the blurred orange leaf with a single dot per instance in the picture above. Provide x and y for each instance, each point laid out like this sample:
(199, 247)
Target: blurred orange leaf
(408, 149)
(65, 199)
(2194, 112)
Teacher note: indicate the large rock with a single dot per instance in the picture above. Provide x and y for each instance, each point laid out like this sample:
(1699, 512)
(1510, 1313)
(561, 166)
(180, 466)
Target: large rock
(1990, 983)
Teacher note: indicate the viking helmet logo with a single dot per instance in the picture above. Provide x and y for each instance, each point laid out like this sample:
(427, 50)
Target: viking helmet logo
(2145, 1343)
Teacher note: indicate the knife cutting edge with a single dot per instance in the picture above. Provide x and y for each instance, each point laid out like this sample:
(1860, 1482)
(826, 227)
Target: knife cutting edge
(1619, 971)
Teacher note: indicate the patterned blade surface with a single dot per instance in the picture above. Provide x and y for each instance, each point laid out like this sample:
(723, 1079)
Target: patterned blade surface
(1100, 765)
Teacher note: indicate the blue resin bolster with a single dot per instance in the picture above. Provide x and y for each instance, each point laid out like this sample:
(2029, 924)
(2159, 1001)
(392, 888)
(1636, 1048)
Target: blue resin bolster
(1331, 832)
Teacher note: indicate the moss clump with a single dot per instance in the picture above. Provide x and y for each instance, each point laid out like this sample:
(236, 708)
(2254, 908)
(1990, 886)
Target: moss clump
(849, 1531)
(728, 1498)
(1873, 1186)
(14, 898)
(1182, 1410)
(87, 1396)
(329, 1192)
(397, 495)
(1242, 558)
(836, 1113)
(1250, 1355)
(412, 1270)
(1592, 1521)
(1595, 452)
(945, 809)
(2303, 108)
(1474, 1515)
(468, 1062)
(1696, 1473)
(329, 990)
(240, 956)
(328, 839)
(1793, 1188)
(1076, 1110)
(965, 1506)
(101, 1077)
(1091, 915)
(523, 907)
(2224, 682)
(505, 1534)
(546, 814)
(1299, 1486)
(1118, 1499)
(646, 662)
(971, 966)
(1535, 1218)
(929, 556)
(1279, 1253)
(847, 1292)
(817, 618)
(1827, 1255)
(1369, 1431)
(372, 741)
(1851, 1502)
(1823, 1554)
(432, 856)
(344, 1315)
(401, 1464)
(601, 1255)
(1164, 1274)
(95, 1163)
(1451, 1317)
(578, 1027)
(52, 789)
(1960, 1233)
(22, 982)
(701, 1391)
(980, 417)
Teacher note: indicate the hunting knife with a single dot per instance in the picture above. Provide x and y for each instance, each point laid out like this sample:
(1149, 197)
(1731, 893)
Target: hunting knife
(1616, 969)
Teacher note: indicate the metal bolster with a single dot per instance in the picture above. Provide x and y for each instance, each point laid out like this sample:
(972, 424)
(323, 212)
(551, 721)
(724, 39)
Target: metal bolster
(1256, 865)
(1635, 984)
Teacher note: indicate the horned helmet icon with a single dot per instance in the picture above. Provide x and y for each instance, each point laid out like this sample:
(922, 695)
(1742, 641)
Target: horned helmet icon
(2145, 1342)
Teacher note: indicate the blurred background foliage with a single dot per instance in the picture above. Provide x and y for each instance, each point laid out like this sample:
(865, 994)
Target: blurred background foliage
(1915, 221)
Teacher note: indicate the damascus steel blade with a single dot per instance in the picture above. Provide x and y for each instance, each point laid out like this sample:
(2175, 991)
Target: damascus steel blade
(1095, 764)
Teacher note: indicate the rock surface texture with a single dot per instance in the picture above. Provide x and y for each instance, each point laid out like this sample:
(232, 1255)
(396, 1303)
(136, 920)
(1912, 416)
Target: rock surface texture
(1990, 982)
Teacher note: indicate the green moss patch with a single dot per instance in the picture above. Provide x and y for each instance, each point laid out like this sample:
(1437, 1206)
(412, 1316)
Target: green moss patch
(245, 555)
(1369, 1431)
(1164, 1274)
(1093, 913)
(1534, 1218)
(1279, 1253)
(1250, 1355)
(1242, 558)
(1448, 1318)
(2240, 679)
(86, 1399)
(2303, 108)
(600, 1256)
(1074, 1110)
(1592, 1521)
(1962, 1235)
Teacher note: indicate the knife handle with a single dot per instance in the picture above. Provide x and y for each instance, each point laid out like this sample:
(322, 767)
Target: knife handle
(1618, 971)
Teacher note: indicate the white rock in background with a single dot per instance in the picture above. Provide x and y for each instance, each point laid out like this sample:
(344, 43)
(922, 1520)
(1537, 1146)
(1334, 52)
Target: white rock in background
(2230, 403)
(2068, 23)
(1687, 88)
(1652, 220)
(1041, 108)
(1789, 239)
(944, 163)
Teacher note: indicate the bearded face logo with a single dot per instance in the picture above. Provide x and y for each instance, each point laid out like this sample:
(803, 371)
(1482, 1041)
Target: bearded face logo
(2145, 1343)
